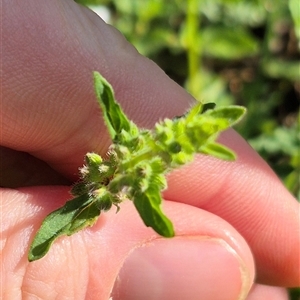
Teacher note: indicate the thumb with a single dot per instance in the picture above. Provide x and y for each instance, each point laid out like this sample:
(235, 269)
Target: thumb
(182, 268)
(49, 107)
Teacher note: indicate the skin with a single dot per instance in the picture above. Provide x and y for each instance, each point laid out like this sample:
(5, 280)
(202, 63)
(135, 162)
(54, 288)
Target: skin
(237, 227)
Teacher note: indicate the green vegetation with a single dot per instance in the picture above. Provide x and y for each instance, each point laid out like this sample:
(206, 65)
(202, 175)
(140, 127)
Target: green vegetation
(135, 166)
(228, 52)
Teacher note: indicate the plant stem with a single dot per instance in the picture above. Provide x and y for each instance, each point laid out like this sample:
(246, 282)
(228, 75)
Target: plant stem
(142, 155)
(193, 49)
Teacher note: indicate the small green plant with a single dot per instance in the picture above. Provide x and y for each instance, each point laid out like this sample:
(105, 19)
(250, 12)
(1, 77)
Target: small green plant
(135, 166)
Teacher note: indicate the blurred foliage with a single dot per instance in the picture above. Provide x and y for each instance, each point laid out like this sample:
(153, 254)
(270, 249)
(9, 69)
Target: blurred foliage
(228, 51)
(295, 294)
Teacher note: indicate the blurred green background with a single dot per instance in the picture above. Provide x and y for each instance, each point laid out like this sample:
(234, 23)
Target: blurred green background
(242, 52)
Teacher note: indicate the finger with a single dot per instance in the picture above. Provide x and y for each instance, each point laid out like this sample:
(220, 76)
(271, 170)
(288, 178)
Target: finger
(248, 195)
(49, 107)
(260, 291)
(21, 169)
(208, 257)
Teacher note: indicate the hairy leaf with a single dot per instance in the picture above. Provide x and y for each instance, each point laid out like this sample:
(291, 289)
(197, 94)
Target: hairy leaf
(219, 151)
(148, 207)
(76, 214)
(114, 117)
(232, 114)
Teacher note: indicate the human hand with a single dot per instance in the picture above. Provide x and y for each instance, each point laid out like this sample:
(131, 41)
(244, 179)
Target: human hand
(224, 219)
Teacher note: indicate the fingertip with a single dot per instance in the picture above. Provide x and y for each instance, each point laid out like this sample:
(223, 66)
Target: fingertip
(248, 195)
(182, 268)
(259, 292)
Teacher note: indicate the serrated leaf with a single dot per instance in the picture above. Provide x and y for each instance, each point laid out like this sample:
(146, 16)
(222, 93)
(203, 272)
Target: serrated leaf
(74, 215)
(114, 117)
(218, 150)
(148, 207)
(232, 114)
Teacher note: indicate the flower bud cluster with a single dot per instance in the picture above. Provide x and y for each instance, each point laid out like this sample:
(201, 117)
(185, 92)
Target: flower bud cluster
(139, 159)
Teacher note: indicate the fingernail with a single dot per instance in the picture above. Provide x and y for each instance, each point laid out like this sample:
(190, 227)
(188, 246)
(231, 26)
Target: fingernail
(181, 268)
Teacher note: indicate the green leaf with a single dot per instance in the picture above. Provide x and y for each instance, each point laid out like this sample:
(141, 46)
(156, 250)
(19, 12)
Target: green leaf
(86, 217)
(114, 117)
(148, 207)
(295, 12)
(218, 150)
(228, 43)
(279, 68)
(232, 114)
(73, 216)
